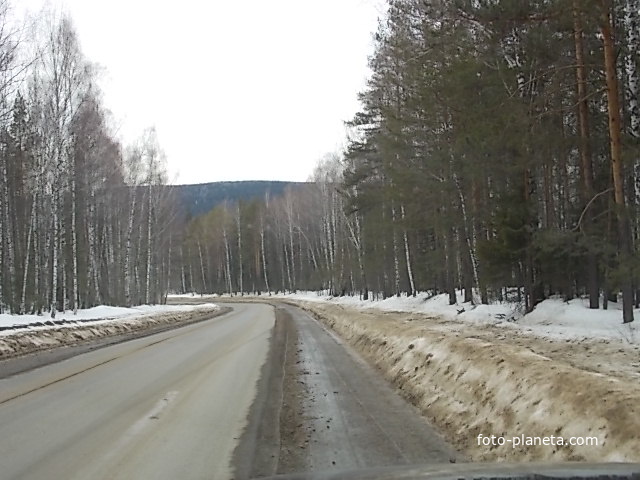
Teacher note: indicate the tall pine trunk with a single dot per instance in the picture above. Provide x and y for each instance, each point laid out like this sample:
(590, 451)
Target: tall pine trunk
(585, 154)
(615, 130)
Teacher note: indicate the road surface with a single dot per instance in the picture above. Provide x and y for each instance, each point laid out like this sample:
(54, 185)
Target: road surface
(327, 410)
(167, 406)
(255, 392)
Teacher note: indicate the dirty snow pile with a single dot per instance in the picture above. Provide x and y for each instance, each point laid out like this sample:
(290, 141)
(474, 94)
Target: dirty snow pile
(540, 378)
(22, 334)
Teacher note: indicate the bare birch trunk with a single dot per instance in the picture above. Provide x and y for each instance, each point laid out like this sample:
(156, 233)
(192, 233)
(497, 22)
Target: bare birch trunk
(228, 260)
(148, 271)
(412, 284)
(396, 261)
(288, 265)
(292, 272)
(74, 247)
(25, 276)
(182, 274)
(240, 273)
(264, 257)
(127, 256)
(93, 251)
(54, 260)
(204, 282)
(469, 239)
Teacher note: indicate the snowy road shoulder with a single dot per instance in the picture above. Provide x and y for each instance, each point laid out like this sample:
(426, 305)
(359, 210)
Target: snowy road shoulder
(483, 380)
(103, 313)
(553, 318)
(24, 334)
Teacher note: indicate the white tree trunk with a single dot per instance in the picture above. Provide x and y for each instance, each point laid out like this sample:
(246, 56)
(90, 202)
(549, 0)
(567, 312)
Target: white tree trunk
(227, 260)
(74, 247)
(93, 251)
(264, 257)
(54, 260)
(204, 282)
(37, 255)
(407, 254)
(127, 255)
(240, 273)
(396, 261)
(288, 265)
(292, 278)
(182, 274)
(25, 277)
(470, 239)
(148, 272)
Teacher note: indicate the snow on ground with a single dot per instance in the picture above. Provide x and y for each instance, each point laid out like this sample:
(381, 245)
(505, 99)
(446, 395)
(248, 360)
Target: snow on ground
(562, 370)
(558, 319)
(93, 315)
(194, 295)
(552, 318)
(24, 334)
(481, 378)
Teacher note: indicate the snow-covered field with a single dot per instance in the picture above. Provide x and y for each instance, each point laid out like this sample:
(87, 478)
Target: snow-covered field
(553, 318)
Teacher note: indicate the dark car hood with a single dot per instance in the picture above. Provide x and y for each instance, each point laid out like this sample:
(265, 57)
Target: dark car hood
(475, 471)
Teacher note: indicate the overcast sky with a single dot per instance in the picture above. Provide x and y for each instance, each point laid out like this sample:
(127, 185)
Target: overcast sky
(237, 90)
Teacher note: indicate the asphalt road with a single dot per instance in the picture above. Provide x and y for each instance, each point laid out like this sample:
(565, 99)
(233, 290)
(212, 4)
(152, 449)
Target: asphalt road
(255, 392)
(327, 410)
(357, 420)
(167, 406)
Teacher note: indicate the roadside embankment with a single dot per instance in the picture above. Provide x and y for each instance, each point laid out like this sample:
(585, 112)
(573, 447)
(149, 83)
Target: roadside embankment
(47, 336)
(478, 380)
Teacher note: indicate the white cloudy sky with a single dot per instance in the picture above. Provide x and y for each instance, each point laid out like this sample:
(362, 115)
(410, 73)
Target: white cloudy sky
(237, 90)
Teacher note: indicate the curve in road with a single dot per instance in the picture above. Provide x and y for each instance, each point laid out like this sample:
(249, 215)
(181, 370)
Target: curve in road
(171, 405)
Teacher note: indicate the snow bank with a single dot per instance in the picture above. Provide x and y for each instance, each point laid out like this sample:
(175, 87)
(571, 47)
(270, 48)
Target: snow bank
(194, 295)
(470, 384)
(552, 318)
(23, 334)
(9, 322)
(421, 303)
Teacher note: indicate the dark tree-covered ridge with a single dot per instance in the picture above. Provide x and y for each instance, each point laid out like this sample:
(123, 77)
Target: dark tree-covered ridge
(197, 199)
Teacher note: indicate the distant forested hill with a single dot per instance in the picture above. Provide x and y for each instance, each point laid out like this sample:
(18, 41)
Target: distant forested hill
(200, 198)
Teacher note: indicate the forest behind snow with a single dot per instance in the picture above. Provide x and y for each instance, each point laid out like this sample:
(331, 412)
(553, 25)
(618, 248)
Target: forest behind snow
(496, 157)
